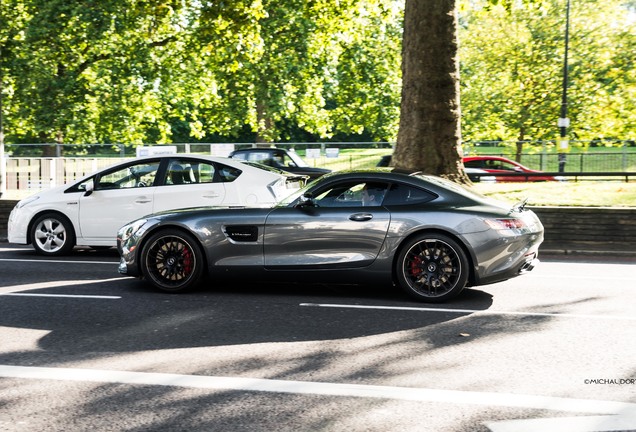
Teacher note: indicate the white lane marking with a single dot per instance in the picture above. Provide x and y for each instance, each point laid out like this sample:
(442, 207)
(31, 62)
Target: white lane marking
(48, 285)
(473, 311)
(624, 421)
(57, 261)
(590, 278)
(62, 296)
(553, 403)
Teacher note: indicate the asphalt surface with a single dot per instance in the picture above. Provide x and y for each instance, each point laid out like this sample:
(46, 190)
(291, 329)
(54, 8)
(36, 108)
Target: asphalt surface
(84, 348)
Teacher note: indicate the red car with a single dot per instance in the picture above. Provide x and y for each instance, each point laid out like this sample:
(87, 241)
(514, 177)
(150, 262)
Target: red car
(497, 164)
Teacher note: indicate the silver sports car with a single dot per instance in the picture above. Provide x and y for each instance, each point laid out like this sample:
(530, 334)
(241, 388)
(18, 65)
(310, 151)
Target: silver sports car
(428, 236)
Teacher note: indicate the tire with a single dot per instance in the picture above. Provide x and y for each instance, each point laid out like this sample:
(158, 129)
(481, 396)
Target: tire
(432, 268)
(172, 261)
(52, 234)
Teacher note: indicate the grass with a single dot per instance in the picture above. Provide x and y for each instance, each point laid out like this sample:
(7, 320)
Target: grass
(570, 193)
(579, 194)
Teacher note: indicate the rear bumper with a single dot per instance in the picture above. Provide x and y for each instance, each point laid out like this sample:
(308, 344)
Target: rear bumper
(523, 264)
(529, 265)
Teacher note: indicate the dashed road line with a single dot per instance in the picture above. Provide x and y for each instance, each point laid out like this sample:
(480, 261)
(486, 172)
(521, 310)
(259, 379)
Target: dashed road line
(57, 261)
(78, 296)
(472, 311)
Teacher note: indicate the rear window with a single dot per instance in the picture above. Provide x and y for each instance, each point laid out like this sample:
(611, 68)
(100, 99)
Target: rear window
(404, 194)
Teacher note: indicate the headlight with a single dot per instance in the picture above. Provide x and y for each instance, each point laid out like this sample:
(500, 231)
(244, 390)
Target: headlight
(130, 229)
(26, 201)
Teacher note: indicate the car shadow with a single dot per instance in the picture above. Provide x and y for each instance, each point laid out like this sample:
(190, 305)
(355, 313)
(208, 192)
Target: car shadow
(228, 314)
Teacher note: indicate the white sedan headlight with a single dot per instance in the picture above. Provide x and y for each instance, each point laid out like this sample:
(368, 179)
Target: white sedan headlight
(26, 201)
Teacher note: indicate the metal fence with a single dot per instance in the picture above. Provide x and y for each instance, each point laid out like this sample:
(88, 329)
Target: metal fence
(24, 170)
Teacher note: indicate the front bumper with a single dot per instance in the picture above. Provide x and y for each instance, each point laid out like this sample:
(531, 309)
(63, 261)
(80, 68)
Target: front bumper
(17, 226)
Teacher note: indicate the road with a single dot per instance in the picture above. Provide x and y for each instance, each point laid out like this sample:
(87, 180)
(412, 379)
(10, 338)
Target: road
(83, 348)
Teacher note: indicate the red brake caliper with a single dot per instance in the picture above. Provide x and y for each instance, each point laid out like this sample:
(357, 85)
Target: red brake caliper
(415, 266)
(187, 260)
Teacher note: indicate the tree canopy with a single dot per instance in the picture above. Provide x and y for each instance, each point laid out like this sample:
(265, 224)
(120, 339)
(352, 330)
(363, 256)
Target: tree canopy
(132, 72)
(512, 60)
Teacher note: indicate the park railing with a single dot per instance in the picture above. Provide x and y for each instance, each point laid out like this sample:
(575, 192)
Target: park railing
(625, 176)
(24, 174)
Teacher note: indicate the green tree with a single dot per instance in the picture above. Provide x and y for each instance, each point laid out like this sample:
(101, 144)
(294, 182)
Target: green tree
(512, 62)
(86, 71)
(366, 91)
(319, 65)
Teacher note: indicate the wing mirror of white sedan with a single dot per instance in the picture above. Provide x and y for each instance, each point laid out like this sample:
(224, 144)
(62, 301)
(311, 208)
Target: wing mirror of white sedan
(90, 187)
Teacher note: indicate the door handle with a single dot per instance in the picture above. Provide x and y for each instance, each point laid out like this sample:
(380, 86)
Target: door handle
(361, 217)
(142, 200)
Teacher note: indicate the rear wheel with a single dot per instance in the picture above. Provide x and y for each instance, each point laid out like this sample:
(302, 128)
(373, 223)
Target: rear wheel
(172, 261)
(432, 268)
(52, 234)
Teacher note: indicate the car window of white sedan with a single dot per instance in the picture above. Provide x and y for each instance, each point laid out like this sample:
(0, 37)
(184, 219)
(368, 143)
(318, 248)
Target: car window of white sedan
(185, 172)
(132, 176)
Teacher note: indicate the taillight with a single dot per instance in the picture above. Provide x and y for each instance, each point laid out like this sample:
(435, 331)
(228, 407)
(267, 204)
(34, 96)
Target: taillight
(504, 224)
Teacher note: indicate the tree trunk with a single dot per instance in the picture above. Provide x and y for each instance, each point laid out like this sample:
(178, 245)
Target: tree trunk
(265, 126)
(429, 137)
(520, 142)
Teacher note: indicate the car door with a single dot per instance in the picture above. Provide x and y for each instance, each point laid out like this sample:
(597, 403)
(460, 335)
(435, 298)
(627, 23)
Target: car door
(119, 196)
(343, 228)
(189, 183)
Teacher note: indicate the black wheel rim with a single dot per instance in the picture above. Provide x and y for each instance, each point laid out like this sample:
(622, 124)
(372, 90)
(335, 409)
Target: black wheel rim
(171, 261)
(432, 268)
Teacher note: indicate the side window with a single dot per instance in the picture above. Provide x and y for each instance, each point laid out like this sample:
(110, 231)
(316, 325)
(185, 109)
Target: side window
(204, 172)
(80, 187)
(495, 164)
(473, 164)
(266, 158)
(403, 194)
(352, 194)
(509, 167)
(286, 161)
(181, 171)
(259, 156)
(133, 176)
(227, 173)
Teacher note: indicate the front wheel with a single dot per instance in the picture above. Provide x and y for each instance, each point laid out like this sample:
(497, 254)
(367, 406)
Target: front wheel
(172, 261)
(432, 268)
(52, 234)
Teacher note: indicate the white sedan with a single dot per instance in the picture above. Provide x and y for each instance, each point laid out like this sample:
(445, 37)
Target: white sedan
(89, 211)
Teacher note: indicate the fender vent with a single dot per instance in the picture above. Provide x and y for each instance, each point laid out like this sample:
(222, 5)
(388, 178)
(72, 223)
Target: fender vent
(242, 233)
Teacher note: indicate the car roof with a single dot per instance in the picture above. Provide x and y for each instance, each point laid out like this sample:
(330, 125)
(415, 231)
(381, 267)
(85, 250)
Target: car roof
(235, 163)
(448, 190)
(499, 158)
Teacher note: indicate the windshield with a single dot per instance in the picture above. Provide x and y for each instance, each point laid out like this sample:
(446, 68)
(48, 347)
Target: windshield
(297, 160)
(293, 197)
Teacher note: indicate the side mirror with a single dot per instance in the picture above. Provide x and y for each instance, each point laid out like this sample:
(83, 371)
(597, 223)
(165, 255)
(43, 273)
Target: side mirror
(306, 200)
(90, 187)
